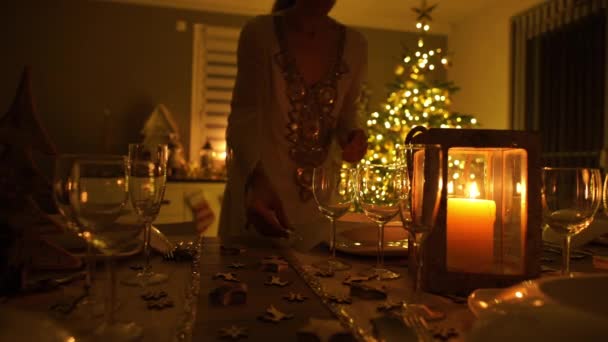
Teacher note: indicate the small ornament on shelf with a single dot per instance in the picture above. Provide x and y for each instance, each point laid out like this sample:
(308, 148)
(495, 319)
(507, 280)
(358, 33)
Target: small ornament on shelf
(206, 156)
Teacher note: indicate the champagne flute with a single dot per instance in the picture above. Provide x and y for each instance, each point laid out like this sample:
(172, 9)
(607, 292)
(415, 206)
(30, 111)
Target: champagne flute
(333, 189)
(570, 199)
(419, 211)
(147, 169)
(98, 199)
(381, 189)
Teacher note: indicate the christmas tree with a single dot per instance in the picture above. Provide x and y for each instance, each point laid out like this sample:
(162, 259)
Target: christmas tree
(414, 99)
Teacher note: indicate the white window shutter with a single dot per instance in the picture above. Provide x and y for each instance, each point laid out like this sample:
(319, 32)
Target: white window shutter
(213, 76)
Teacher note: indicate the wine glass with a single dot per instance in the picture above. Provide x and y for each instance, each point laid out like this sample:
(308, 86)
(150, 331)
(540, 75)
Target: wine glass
(63, 185)
(333, 188)
(570, 199)
(147, 178)
(98, 198)
(418, 211)
(381, 189)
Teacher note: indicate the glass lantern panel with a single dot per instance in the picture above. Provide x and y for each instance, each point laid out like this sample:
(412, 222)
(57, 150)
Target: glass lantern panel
(486, 210)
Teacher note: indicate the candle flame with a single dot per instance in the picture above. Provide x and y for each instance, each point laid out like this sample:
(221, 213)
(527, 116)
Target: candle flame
(473, 190)
(518, 188)
(450, 187)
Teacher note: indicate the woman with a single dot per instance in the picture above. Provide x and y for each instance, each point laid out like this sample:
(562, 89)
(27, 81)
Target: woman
(293, 108)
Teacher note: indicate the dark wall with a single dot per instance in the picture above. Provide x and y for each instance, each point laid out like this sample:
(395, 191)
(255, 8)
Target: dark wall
(90, 57)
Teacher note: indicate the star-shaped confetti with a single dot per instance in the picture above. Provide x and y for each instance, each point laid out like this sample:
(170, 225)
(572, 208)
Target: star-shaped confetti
(367, 291)
(273, 315)
(236, 265)
(324, 273)
(339, 299)
(232, 250)
(229, 276)
(294, 297)
(389, 306)
(276, 281)
(233, 332)
(274, 263)
(160, 304)
(357, 279)
(153, 295)
(325, 330)
(444, 334)
(424, 12)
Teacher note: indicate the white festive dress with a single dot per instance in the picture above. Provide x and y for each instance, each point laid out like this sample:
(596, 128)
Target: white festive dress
(285, 125)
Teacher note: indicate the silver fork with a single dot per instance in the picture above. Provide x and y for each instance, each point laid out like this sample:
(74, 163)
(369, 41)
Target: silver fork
(417, 323)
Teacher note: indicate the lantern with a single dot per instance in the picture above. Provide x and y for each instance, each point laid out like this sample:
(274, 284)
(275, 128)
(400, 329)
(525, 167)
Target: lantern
(488, 230)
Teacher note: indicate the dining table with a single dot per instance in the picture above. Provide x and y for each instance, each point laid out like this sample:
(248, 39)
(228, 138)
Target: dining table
(256, 289)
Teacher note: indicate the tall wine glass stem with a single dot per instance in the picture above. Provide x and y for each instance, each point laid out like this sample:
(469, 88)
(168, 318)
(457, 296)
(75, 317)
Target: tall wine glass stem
(147, 235)
(88, 280)
(332, 238)
(566, 255)
(418, 250)
(380, 254)
(111, 290)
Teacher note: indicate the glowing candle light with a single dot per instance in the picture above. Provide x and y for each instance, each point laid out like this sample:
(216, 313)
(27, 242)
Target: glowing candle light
(470, 233)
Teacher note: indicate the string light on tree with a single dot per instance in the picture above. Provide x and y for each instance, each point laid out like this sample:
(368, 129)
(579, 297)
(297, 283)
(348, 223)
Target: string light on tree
(414, 98)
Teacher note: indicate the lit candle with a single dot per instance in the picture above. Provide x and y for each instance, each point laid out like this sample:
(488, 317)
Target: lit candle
(470, 233)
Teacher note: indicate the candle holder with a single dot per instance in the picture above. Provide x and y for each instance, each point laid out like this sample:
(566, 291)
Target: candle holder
(488, 231)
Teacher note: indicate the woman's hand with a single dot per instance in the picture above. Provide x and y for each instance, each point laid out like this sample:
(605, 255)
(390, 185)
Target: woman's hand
(355, 147)
(264, 208)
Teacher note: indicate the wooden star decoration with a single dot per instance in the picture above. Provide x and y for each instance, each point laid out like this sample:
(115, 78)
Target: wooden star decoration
(276, 281)
(324, 330)
(233, 332)
(153, 295)
(324, 273)
(390, 306)
(367, 291)
(160, 304)
(423, 12)
(236, 265)
(228, 276)
(274, 263)
(273, 315)
(232, 250)
(444, 334)
(357, 279)
(295, 297)
(339, 299)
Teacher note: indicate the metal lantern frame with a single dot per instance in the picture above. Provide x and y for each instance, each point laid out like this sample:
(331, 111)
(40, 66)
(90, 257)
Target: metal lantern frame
(436, 276)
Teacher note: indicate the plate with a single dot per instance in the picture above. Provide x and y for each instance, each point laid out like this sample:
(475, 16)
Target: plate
(29, 326)
(552, 308)
(357, 235)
